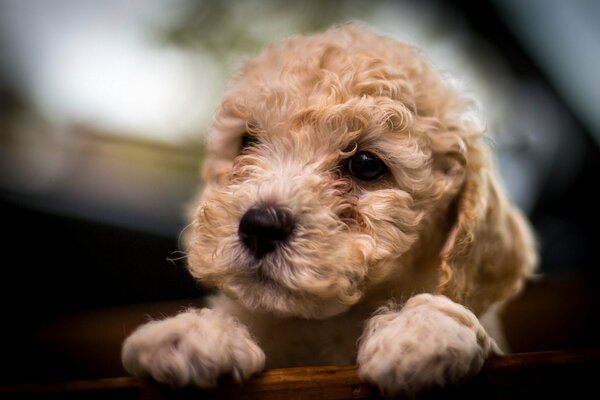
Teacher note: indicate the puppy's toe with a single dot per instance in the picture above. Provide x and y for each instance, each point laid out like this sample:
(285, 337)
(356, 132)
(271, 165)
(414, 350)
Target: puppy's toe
(193, 348)
(430, 342)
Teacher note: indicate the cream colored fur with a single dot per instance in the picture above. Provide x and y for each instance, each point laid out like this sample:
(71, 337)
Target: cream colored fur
(405, 264)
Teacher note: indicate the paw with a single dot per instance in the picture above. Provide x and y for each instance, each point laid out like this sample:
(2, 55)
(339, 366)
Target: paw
(431, 342)
(194, 348)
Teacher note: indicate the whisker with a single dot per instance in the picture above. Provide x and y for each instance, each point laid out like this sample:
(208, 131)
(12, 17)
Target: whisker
(180, 237)
(177, 255)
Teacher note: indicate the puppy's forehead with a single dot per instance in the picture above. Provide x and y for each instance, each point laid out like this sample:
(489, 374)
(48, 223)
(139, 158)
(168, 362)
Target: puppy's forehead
(323, 71)
(335, 87)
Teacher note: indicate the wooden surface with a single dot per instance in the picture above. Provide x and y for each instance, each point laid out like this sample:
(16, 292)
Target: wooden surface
(526, 375)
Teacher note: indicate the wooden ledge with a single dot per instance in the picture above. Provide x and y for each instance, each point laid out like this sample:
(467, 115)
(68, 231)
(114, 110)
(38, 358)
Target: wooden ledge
(515, 376)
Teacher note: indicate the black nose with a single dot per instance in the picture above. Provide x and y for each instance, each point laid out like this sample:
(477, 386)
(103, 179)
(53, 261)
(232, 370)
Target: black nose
(263, 227)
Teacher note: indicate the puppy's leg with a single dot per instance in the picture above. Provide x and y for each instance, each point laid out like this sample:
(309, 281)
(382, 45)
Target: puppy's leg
(430, 342)
(195, 348)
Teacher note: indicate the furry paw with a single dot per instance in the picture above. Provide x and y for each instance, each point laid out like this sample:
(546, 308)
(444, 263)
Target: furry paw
(430, 342)
(193, 348)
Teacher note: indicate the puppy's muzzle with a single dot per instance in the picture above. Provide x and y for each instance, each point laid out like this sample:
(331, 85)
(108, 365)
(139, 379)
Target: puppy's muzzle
(264, 227)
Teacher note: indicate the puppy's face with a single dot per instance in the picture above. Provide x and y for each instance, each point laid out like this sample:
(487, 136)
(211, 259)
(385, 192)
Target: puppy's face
(332, 159)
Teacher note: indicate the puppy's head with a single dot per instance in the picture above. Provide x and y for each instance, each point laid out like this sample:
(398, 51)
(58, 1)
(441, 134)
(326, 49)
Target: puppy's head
(336, 162)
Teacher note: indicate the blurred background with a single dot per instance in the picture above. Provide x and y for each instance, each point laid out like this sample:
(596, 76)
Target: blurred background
(104, 106)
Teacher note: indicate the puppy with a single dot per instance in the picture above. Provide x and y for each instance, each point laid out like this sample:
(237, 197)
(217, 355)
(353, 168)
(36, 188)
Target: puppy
(350, 214)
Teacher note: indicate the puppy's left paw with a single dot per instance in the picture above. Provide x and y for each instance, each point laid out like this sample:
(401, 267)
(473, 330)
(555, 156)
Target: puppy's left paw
(430, 342)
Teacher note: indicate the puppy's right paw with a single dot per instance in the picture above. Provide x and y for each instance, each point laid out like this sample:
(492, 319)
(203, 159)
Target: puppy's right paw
(194, 348)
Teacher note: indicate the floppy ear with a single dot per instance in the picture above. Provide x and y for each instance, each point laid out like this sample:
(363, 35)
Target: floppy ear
(490, 248)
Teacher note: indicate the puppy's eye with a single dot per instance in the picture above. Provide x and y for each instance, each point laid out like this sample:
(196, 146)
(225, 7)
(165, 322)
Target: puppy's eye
(366, 166)
(248, 140)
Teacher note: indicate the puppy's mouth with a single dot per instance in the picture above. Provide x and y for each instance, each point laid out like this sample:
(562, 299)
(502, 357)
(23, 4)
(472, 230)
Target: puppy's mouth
(265, 228)
(273, 259)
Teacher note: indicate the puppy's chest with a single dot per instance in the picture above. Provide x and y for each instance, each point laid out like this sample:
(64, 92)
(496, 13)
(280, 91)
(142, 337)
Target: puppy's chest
(294, 342)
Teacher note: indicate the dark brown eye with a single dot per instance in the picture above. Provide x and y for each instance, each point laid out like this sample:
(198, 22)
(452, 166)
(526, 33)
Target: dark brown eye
(366, 166)
(248, 140)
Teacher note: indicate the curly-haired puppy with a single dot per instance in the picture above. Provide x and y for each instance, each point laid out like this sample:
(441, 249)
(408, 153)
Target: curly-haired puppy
(350, 214)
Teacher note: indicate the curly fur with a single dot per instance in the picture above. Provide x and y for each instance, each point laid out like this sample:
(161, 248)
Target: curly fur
(438, 223)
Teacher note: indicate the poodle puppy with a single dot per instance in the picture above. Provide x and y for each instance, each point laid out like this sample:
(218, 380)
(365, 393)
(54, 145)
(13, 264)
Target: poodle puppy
(350, 214)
